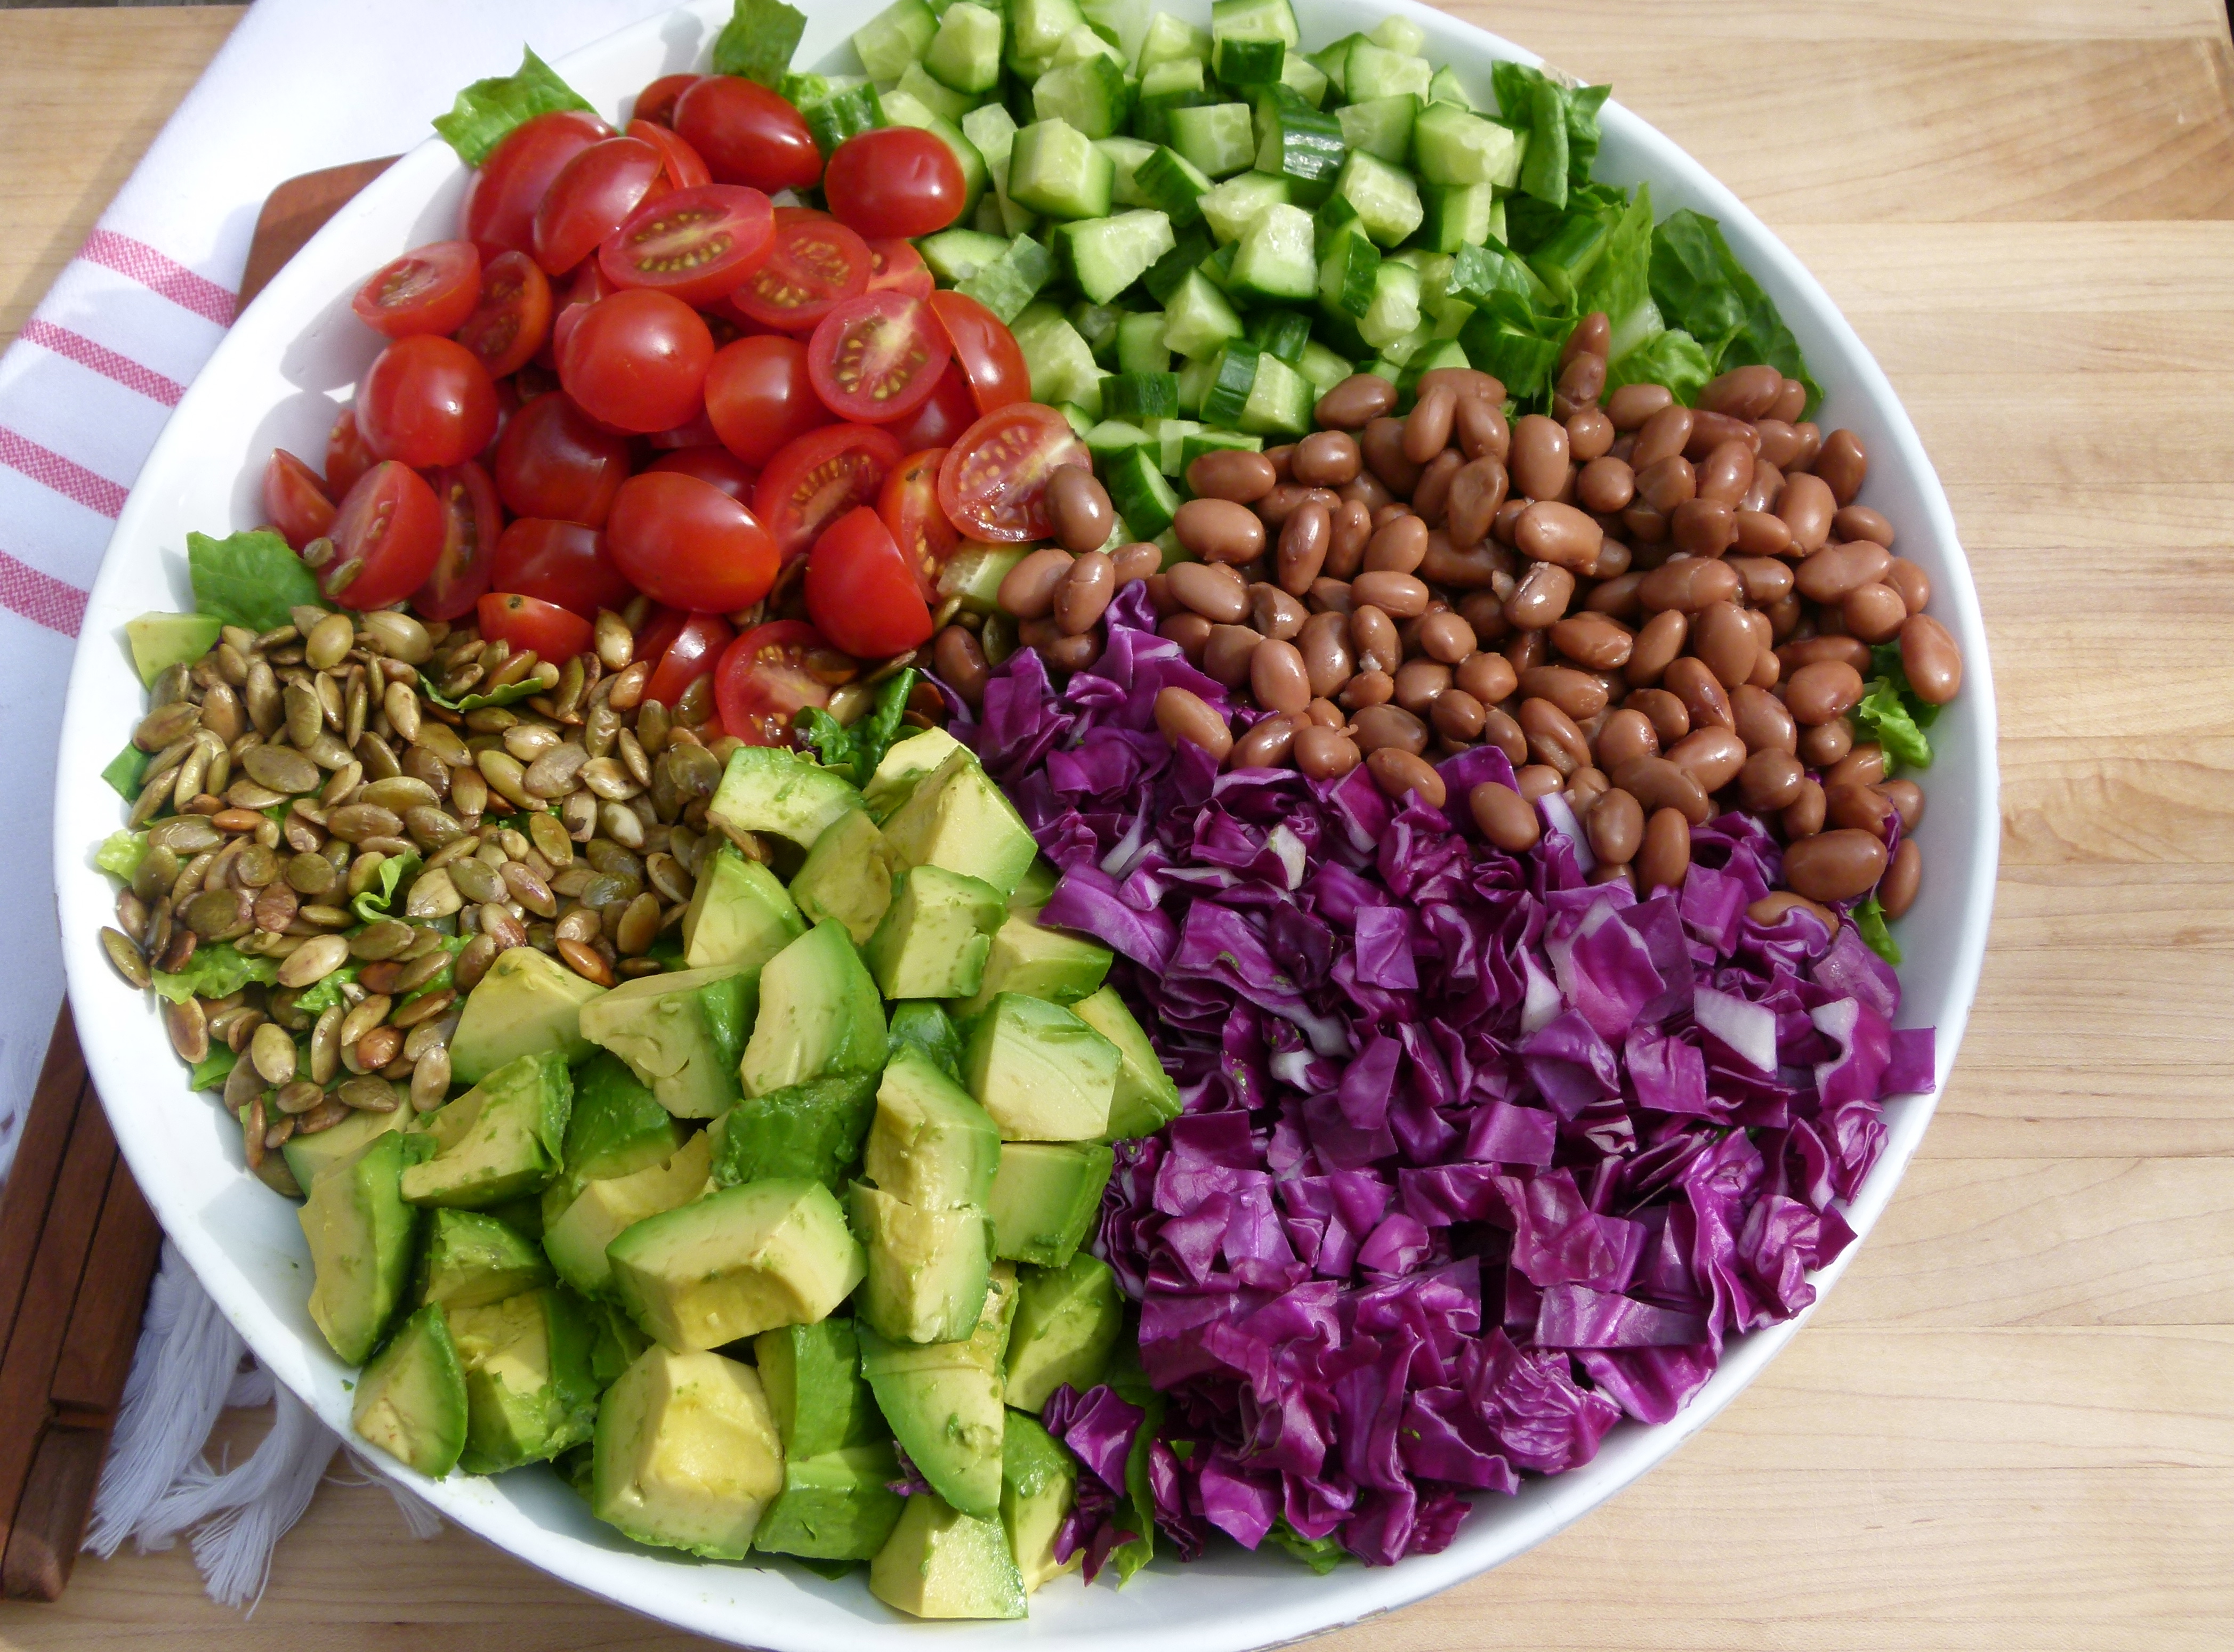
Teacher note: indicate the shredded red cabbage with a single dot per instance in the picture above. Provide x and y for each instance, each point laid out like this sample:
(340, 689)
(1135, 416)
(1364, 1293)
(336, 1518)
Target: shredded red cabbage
(1478, 1158)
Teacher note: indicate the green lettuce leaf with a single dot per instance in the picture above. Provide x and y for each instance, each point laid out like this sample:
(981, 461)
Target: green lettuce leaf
(488, 110)
(215, 971)
(1321, 1556)
(1701, 288)
(210, 1072)
(1870, 923)
(855, 751)
(511, 691)
(250, 579)
(1884, 715)
(120, 853)
(1620, 283)
(1583, 104)
(758, 41)
(394, 873)
(325, 993)
(1673, 358)
(1532, 100)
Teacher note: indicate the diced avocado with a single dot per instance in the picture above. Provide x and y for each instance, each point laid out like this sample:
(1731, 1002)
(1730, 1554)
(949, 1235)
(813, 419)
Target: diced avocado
(1035, 889)
(616, 1128)
(499, 1140)
(1043, 1074)
(608, 1207)
(921, 1024)
(848, 876)
(958, 819)
(310, 1157)
(530, 1389)
(410, 1401)
(1145, 1099)
(681, 1033)
(819, 1014)
(926, 1270)
(523, 1215)
(943, 1403)
(972, 575)
(161, 641)
(840, 1505)
(813, 1376)
(361, 1231)
(1068, 1319)
(618, 1345)
(1039, 1483)
(1045, 1199)
(527, 1003)
(766, 789)
(939, 1562)
(930, 1146)
(471, 1259)
(1038, 962)
(811, 1132)
(934, 938)
(740, 913)
(686, 1454)
(906, 763)
(736, 1262)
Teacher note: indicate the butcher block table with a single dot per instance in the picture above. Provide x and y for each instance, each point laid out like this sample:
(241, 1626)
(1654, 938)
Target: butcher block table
(2013, 1425)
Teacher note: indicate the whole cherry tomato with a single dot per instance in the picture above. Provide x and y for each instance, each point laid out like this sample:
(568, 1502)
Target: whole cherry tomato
(894, 182)
(512, 318)
(771, 673)
(471, 520)
(637, 360)
(553, 461)
(656, 100)
(387, 535)
(430, 289)
(861, 592)
(761, 396)
(686, 543)
(527, 624)
(748, 134)
(294, 498)
(713, 464)
(695, 650)
(560, 562)
(593, 195)
(427, 400)
(501, 196)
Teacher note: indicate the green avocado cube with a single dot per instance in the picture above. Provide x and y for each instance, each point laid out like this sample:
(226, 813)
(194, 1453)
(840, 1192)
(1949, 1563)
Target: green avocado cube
(740, 913)
(410, 1401)
(736, 1262)
(608, 1206)
(161, 641)
(1068, 1319)
(528, 1004)
(943, 1403)
(687, 1455)
(1146, 1099)
(471, 1259)
(926, 1270)
(819, 1014)
(1045, 1199)
(681, 1033)
(361, 1231)
(310, 1157)
(935, 935)
(616, 1128)
(781, 793)
(1040, 963)
(840, 1505)
(847, 876)
(530, 1391)
(813, 1376)
(941, 1562)
(921, 1024)
(956, 818)
(1043, 1074)
(931, 1144)
(499, 1140)
(905, 763)
(1035, 889)
(618, 1345)
(1039, 1483)
(811, 1131)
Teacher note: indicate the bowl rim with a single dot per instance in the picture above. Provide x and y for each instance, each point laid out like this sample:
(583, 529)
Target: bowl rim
(671, 1588)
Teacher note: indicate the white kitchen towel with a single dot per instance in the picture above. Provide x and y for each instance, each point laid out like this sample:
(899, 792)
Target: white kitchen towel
(84, 391)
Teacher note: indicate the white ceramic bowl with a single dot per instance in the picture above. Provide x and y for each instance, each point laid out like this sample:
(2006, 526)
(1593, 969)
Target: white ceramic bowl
(277, 378)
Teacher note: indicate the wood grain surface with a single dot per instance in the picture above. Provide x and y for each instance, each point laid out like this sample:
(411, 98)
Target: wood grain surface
(2013, 1426)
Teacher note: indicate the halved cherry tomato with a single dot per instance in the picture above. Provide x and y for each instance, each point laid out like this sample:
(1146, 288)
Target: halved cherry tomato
(940, 421)
(716, 465)
(987, 350)
(695, 651)
(896, 266)
(471, 519)
(499, 211)
(526, 623)
(760, 396)
(512, 319)
(681, 166)
(656, 100)
(637, 361)
(861, 591)
(909, 507)
(554, 461)
(877, 358)
(748, 134)
(560, 562)
(771, 672)
(894, 180)
(430, 289)
(812, 482)
(993, 482)
(386, 537)
(698, 243)
(294, 498)
(686, 543)
(815, 266)
(427, 400)
(347, 457)
(593, 195)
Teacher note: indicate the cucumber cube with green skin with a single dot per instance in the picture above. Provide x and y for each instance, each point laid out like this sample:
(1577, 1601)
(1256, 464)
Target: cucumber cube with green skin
(1067, 1321)
(1237, 203)
(1143, 498)
(499, 1140)
(894, 38)
(360, 1235)
(1372, 71)
(687, 1455)
(1043, 1074)
(1171, 39)
(942, 101)
(1141, 346)
(1323, 367)
(1220, 139)
(1142, 395)
(1274, 260)
(1045, 1197)
(1126, 155)
(765, 789)
(934, 940)
(470, 1259)
(1091, 95)
(681, 1033)
(1450, 145)
(1040, 962)
(1037, 27)
(1280, 401)
(530, 1392)
(819, 1014)
(1107, 255)
(310, 1157)
(607, 1207)
(956, 255)
(410, 1401)
(811, 1374)
(739, 914)
(1382, 127)
(906, 763)
(1456, 215)
(847, 876)
(736, 1262)
(1054, 168)
(931, 1144)
(919, 1024)
(1199, 320)
(927, 1269)
(1058, 360)
(1011, 281)
(943, 1403)
(958, 819)
(1387, 201)
(1123, 22)
(965, 53)
(1306, 79)
(940, 1562)
(527, 1003)
(840, 1505)
(1400, 35)
(811, 1131)
(1039, 1483)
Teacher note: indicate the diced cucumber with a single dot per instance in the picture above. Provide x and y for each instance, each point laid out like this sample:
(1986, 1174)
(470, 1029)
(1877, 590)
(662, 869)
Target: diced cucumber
(1282, 332)
(1037, 27)
(1165, 276)
(1280, 401)
(1347, 272)
(1172, 184)
(1195, 380)
(1097, 326)
(1236, 376)
(942, 101)
(1107, 255)
(1061, 367)
(1232, 207)
(1273, 260)
(1250, 40)
(1198, 321)
(1112, 438)
(1372, 71)
(1141, 395)
(994, 131)
(1085, 41)
(1400, 35)
(1081, 417)
(1248, 62)
(1395, 308)
(1139, 491)
(1220, 139)
(1012, 280)
(1054, 168)
(894, 38)
(1217, 268)
(1302, 76)
(1565, 261)
(1450, 146)
(1386, 201)
(1446, 352)
(837, 108)
(1521, 360)
(1168, 39)
(1445, 89)
(1152, 116)
(1091, 95)
(1124, 23)
(1193, 442)
(1126, 156)
(956, 255)
(1141, 346)
(1456, 215)
(965, 53)
(1333, 61)
(1323, 367)
(1382, 126)
(1297, 142)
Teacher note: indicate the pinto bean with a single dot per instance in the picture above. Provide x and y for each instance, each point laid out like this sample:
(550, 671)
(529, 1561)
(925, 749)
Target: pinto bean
(1659, 783)
(1930, 656)
(1625, 734)
(1554, 739)
(1325, 753)
(1834, 866)
(1504, 817)
(1630, 405)
(1538, 462)
(1761, 720)
(1388, 726)
(1355, 402)
(1270, 744)
(1896, 888)
(1182, 714)
(1842, 465)
(1663, 859)
(1819, 693)
(1218, 530)
(1327, 458)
